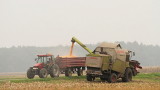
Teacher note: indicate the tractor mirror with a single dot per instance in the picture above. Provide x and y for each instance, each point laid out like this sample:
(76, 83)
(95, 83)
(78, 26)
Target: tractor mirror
(133, 53)
(36, 59)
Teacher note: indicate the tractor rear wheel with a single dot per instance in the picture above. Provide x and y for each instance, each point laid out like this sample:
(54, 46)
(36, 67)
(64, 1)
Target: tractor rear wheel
(68, 72)
(112, 78)
(54, 72)
(30, 73)
(90, 78)
(43, 73)
(128, 75)
(80, 72)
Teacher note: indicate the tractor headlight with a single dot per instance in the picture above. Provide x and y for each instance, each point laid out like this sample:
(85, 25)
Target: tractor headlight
(35, 68)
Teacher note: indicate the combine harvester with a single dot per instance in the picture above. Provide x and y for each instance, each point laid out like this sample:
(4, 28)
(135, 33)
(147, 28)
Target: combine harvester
(109, 62)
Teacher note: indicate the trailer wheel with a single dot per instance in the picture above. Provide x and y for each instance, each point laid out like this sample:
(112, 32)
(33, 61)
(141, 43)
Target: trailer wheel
(54, 72)
(112, 78)
(43, 73)
(80, 72)
(30, 74)
(90, 78)
(68, 72)
(127, 76)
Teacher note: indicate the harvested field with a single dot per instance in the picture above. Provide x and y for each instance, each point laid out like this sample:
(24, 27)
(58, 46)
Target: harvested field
(82, 85)
(142, 81)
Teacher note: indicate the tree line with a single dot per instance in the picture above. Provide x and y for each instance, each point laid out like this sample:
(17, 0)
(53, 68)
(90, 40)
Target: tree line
(19, 59)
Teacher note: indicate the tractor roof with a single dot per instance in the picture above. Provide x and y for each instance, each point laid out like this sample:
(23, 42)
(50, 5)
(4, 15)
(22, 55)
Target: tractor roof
(45, 55)
(110, 45)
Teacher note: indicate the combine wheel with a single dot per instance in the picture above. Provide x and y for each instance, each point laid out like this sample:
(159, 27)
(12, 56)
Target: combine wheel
(112, 78)
(43, 73)
(127, 76)
(30, 74)
(103, 79)
(134, 72)
(80, 72)
(90, 78)
(54, 72)
(68, 72)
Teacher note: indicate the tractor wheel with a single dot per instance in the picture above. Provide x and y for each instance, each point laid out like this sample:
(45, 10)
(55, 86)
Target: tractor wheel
(90, 78)
(80, 72)
(43, 73)
(112, 78)
(127, 76)
(30, 74)
(68, 72)
(54, 72)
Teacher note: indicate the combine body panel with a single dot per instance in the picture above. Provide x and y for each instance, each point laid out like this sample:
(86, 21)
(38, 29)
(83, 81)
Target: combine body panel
(109, 62)
(94, 62)
(119, 66)
(106, 63)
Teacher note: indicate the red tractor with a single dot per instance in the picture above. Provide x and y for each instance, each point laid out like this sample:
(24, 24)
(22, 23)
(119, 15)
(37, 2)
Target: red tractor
(45, 65)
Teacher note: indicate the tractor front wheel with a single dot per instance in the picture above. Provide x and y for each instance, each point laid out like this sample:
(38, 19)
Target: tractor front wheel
(30, 73)
(43, 73)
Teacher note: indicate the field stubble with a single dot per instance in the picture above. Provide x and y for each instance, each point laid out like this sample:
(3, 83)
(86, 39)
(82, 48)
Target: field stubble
(145, 81)
(77, 83)
(81, 85)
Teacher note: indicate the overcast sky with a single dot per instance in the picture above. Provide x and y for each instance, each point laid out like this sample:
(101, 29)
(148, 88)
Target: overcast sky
(54, 22)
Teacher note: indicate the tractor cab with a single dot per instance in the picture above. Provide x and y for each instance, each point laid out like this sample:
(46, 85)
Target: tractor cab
(43, 60)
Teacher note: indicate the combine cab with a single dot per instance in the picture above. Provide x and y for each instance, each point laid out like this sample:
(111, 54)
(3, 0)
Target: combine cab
(45, 65)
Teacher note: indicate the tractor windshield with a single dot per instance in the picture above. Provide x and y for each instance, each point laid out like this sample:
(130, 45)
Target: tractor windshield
(43, 59)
